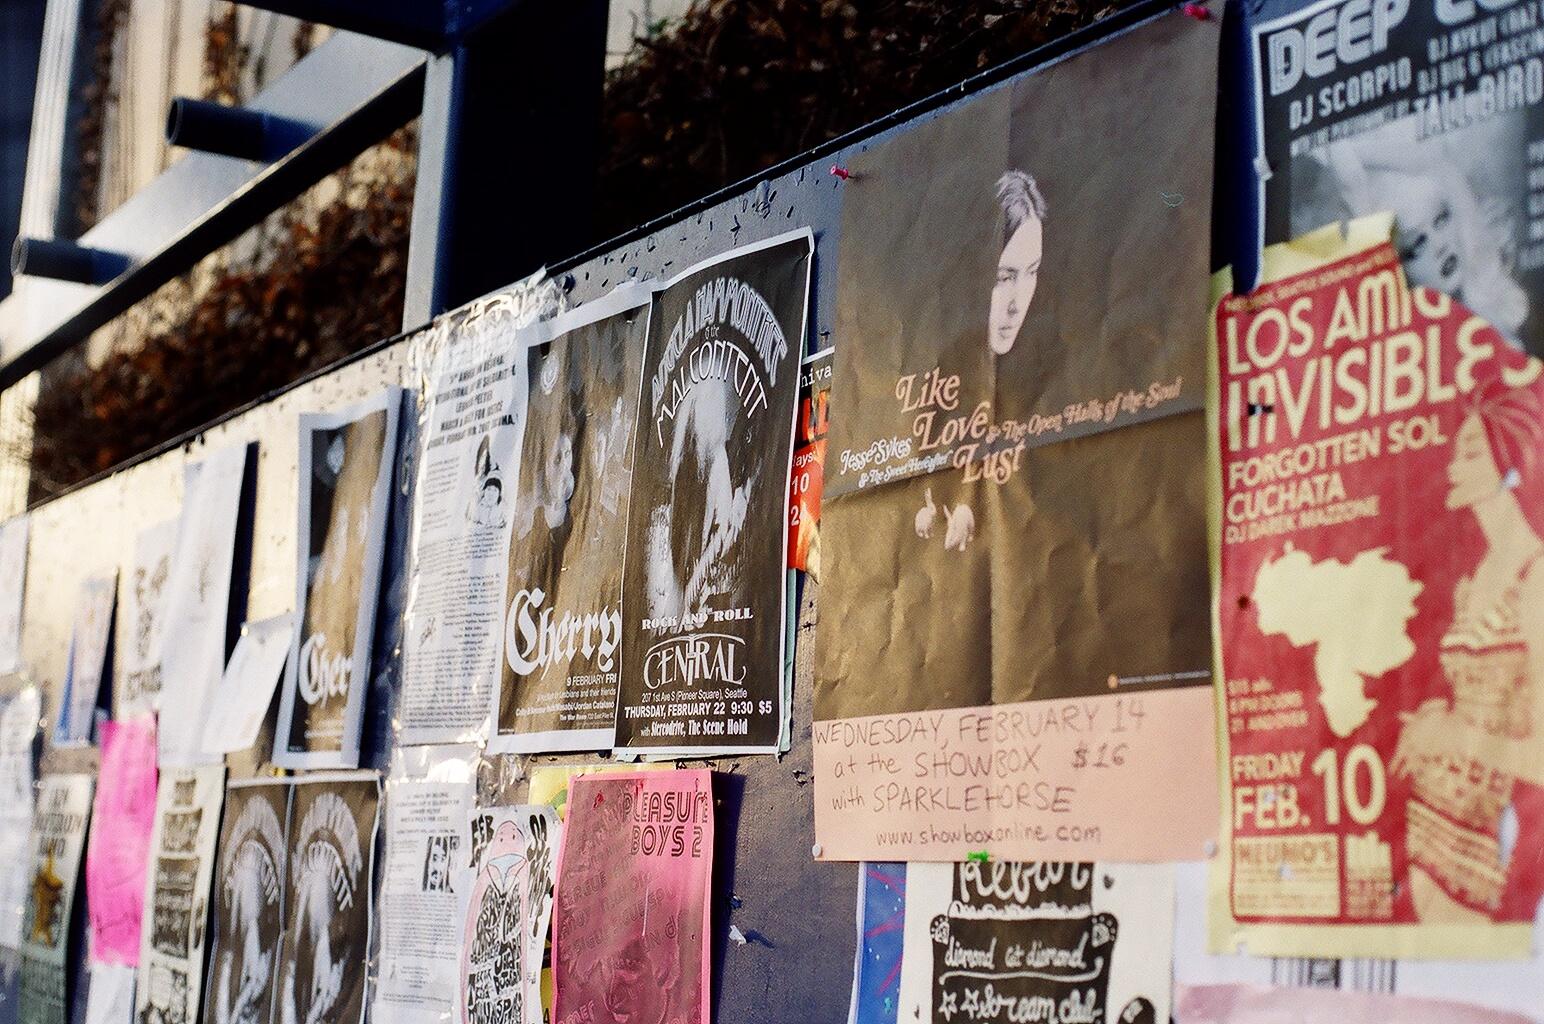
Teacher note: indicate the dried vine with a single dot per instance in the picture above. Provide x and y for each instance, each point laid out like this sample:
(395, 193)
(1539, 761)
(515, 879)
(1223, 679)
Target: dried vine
(224, 57)
(737, 85)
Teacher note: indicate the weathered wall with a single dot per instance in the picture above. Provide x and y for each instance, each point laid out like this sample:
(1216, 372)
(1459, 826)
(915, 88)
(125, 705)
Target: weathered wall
(796, 915)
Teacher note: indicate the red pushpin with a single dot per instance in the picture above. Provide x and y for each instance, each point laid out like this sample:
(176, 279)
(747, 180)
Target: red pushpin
(841, 172)
(1196, 11)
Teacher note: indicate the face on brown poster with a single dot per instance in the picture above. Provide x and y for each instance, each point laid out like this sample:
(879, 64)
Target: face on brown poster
(347, 462)
(1015, 496)
(563, 603)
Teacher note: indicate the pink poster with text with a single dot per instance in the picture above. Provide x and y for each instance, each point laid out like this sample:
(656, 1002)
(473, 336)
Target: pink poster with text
(120, 840)
(630, 926)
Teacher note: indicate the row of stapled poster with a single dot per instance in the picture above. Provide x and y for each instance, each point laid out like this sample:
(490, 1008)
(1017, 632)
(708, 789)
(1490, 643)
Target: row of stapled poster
(541, 446)
(1172, 485)
(597, 562)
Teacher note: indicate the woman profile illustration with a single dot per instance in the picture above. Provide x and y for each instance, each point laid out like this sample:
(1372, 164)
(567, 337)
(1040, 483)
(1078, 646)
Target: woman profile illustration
(1018, 276)
(1471, 757)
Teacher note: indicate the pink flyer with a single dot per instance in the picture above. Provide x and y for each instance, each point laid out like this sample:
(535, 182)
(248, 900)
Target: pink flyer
(630, 928)
(120, 840)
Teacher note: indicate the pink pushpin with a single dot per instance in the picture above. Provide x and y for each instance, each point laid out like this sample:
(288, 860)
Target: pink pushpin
(840, 171)
(1196, 11)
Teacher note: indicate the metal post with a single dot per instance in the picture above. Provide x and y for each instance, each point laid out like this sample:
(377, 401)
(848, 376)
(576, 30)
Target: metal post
(234, 131)
(508, 144)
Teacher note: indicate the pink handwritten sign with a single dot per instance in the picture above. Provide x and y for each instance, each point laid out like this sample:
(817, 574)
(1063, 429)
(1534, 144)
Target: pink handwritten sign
(630, 929)
(1089, 778)
(120, 840)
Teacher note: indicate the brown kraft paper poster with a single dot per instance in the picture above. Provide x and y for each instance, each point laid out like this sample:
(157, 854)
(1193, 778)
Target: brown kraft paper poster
(1014, 648)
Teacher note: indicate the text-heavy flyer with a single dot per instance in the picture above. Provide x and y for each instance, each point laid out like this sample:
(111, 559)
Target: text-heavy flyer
(215, 525)
(1381, 585)
(1013, 653)
(347, 463)
(630, 927)
(329, 908)
(142, 620)
(182, 848)
(563, 606)
(58, 840)
(423, 891)
(473, 415)
(1431, 109)
(251, 876)
(18, 737)
(514, 858)
(1001, 942)
(704, 592)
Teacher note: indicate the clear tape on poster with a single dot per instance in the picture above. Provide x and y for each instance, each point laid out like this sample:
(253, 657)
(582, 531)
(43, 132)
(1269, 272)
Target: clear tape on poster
(414, 954)
(462, 367)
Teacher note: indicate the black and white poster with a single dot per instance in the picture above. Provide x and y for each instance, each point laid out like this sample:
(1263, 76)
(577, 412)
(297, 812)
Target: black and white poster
(703, 593)
(58, 839)
(182, 849)
(999, 942)
(1433, 109)
(249, 888)
(329, 915)
(19, 713)
(424, 887)
(198, 601)
(473, 414)
(562, 638)
(141, 618)
(346, 468)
